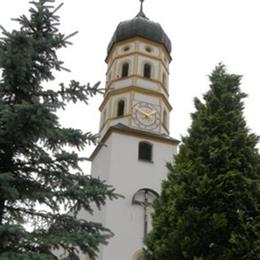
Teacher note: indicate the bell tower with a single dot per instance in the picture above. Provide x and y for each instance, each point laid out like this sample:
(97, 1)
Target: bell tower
(135, 143)
(137, 87)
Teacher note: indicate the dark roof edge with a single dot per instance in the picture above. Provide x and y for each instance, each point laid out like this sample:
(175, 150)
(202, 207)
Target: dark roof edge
(118, 36)
(120, 128)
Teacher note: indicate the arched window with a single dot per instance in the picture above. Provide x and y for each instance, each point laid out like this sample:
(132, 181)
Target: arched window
(138, 255)
(121, 108)
(125, 70)
(145, 198)
(147, 70)
(145, 151)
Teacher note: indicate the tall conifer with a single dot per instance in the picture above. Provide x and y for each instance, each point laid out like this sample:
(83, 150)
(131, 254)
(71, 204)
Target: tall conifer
(209, 208)
(39, 175)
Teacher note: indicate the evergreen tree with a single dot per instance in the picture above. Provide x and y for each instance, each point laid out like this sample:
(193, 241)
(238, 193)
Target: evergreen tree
(39, 175)
(209, 208)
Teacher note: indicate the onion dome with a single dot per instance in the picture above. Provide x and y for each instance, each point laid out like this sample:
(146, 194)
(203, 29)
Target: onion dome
(143, 27)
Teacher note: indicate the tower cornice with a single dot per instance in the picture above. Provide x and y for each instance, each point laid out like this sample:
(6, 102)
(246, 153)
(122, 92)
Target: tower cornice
(138, 77)
(138, 38)
(123, 130)
(136, 53)
(136, 89)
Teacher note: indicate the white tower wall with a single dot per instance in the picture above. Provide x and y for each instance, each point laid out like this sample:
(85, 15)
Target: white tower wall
(134, 127)
(117, 162)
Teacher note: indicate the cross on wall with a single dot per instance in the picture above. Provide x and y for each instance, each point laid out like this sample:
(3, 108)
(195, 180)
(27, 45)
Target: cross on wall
(145, 198)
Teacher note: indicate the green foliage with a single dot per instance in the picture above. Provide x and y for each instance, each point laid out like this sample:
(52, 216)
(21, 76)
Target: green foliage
(38, 175)
(209, 207)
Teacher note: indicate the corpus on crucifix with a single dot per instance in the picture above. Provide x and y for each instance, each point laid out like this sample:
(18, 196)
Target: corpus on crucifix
(145, 198)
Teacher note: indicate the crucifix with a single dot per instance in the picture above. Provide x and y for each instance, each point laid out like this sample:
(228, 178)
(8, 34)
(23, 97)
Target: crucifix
(141, 12)
(141, 8)
(145, 198)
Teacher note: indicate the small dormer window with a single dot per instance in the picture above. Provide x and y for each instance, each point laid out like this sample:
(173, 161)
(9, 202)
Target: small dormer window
(147, 70)
(139, 255)
(120, 108)
(149, 49)
(125, 70)
(126, 48)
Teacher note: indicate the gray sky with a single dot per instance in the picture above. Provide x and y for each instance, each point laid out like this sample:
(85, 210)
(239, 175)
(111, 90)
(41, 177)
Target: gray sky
(203, 33)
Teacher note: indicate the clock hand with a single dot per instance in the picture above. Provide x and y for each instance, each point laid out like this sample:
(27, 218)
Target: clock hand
(151, 113)
(146, 115)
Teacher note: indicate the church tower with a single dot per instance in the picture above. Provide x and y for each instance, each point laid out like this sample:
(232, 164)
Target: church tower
(134, 128)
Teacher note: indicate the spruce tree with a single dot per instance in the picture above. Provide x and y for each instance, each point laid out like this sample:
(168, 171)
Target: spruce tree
(209, 207)
(40, 173)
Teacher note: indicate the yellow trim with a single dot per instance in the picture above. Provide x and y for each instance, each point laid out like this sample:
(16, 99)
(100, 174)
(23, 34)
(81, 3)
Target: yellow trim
(163, 87)
(136, 53)
(132, 132)
(139, 77)
(161, 47)
(136, 89)
(165, 128)
(167, 59)
(132, 96)
(165, 79)
(138, 38)
(120, 56)
(135, 71)
(113, 118)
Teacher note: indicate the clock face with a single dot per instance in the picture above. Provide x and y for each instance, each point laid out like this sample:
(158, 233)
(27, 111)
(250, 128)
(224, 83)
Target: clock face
(146, 115)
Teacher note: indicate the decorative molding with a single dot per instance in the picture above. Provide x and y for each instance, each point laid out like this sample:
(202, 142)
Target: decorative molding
(114, 118)
(137, 89)
(139, 39)
(135, 133)
(120, 56)
(139, 77)
(137, 254)
(165, 128)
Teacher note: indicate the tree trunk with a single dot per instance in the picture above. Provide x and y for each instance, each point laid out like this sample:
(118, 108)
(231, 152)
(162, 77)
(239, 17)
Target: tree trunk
(2, 207)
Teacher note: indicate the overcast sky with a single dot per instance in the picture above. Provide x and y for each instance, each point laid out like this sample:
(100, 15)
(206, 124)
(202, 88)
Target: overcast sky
(203, 33)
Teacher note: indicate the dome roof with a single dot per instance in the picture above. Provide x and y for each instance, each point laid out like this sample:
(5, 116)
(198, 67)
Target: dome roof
(143, 27)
